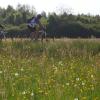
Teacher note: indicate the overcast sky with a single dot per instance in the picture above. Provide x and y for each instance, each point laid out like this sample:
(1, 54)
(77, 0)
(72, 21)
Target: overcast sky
(78, 6)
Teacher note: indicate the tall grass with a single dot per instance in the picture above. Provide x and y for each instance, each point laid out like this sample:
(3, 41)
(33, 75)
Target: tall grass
(60, 70)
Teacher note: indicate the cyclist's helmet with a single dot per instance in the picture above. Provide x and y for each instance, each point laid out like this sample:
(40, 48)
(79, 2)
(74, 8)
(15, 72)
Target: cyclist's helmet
(39, 16)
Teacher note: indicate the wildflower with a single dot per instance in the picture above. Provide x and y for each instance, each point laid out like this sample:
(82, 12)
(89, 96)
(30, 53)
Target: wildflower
(77, 79)
(16, 74)
(84, 98)
(0, 72)
(92, 76)
(60, 63)
(76, 99)
(83, 83)
(9, 61)
(75, 85)
(63, 86)
(46, 93)
(32, 94)
(21, 69)
(40, 91)
(67, 84)
(23, 92)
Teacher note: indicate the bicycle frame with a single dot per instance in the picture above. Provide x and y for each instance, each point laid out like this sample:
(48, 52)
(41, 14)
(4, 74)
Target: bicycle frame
(39, 34)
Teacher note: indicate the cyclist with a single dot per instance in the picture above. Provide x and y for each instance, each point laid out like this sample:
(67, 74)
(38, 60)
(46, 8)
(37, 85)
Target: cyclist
(32, 26)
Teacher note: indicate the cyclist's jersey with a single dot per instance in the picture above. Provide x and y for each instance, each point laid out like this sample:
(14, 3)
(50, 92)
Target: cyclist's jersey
(34, 22)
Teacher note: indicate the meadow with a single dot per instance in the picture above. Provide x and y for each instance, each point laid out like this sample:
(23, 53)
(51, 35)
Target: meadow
(54, 70)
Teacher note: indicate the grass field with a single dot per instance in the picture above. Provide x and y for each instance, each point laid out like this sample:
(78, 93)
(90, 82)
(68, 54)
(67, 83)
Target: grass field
(59, 70)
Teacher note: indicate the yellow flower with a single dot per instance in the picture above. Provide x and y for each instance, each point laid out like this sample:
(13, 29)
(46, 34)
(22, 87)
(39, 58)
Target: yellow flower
(40, 91)
(92, 76)
(84, 98)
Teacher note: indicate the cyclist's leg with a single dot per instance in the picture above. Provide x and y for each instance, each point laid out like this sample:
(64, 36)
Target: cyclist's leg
(32, 32)
(31, 36)
(43, 35)
(35, 35)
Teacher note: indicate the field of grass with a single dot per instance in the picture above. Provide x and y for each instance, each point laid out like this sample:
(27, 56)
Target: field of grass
(60, 70)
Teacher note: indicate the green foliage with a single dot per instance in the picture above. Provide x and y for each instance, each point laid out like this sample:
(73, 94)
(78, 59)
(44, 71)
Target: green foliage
(44, 21)
(16, 16)
(62, 25)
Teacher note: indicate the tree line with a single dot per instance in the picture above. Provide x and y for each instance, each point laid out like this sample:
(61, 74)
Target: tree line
(57, 25)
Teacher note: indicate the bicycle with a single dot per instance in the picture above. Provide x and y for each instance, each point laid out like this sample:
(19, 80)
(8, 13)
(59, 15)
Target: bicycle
(39, 34)
(2, 34)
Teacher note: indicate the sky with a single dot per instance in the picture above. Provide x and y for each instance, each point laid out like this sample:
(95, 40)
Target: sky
(77, 6)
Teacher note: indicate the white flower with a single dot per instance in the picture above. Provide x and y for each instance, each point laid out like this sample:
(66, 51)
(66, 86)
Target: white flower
(76, 99)
(16, 74)
(67, 84)
(23, 92)
(75, 85)
(0, 72)
(83, 83)
(60, 63)
(77, 79)
(92, 76)
(32, 94)
(21, 69)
